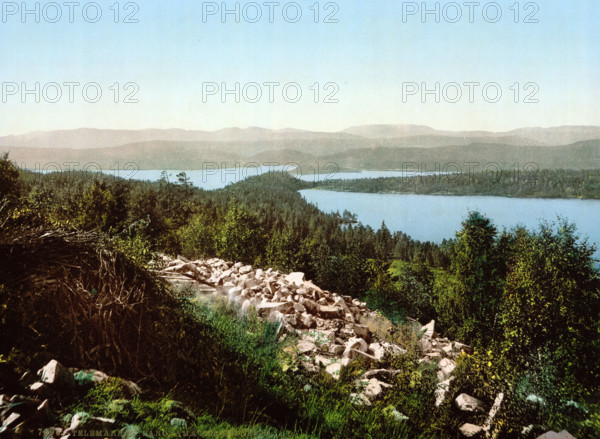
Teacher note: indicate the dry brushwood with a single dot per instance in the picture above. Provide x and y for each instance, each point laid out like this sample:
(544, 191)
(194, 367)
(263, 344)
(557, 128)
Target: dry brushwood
(69, 293)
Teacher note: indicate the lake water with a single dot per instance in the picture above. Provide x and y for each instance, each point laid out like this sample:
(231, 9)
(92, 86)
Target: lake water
(433, 218)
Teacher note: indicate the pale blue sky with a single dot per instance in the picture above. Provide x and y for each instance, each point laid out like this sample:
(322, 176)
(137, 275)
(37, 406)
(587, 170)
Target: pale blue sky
(369, 54)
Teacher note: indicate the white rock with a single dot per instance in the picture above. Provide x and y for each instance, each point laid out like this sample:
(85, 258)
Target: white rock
(355, 344)
(373, 388)
(296, 278)
(441, 390)
(467, 403)
(428, 329)
(334, 369)
(470, 430)
(553, 435)
(56, 374)
(446, 367)
(377, 351)
(359, 399)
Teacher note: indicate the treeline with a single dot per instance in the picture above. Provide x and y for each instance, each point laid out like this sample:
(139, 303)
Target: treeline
(523, 183)
(262, 220)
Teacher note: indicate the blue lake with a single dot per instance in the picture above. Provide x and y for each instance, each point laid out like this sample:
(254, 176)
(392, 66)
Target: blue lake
(433, 218)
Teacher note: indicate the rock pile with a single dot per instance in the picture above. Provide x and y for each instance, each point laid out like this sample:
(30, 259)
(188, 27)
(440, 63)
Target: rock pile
(34, 397)
(332, 329)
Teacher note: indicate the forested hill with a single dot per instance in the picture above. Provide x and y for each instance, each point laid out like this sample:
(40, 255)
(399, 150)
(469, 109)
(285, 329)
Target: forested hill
(523, 183)
(315, 153)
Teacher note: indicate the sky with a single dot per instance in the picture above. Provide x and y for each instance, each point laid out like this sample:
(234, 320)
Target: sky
(321, 66)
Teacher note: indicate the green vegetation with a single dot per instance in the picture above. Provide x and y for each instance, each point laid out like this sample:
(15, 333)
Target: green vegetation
(75, 284)
(531, 183)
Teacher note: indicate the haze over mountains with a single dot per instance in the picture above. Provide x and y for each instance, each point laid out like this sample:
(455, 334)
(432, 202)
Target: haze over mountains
(361, 147)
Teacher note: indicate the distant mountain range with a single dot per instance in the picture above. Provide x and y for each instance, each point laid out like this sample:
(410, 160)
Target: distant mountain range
(361, 147)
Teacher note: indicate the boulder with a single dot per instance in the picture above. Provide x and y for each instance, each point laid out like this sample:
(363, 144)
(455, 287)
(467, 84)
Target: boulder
(359, 399)
(468, 403)
(441, 390)
(446, 367)
(336, 349)
(310, 305)
(493, 412)
(553, 435)
(329, 312)
(470, 430)
(362, 331)
(299, 308)
(41, 389)
(296, 278)
(334, 369)
(266, 309)
(307, 321)
(377, 351)
(372, 388)
(428, 329)
(56, 374)
(354, 346)
(306, 346)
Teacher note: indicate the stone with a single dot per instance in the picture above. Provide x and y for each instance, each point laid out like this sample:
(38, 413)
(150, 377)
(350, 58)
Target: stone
(494, 410)
(441, 390)
(307, 321)
(246, 269)
(336, 349)
(428, 329)
(296, 278)
(266, 309)
(446, 367)
(393, 349)
(362, 331)
(338, 301)
(43, 409)
(359, 399)
(354, 346)
(377, 350)
(10, 422)
(553, 435)
(372, 388)
(334, 369)
(467, 403)
(56, 374)
(41, 389)
(310, 305)
(299, 308)
(386, 375)
(306, 346)
(470, 430)
(329, 312)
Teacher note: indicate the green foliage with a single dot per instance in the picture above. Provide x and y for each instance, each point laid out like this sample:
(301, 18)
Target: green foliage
(239, 237)
(551, 303)
(198, 238)
(9, 179)
(544, 183)
(469, 308)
